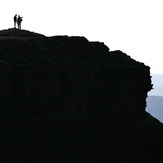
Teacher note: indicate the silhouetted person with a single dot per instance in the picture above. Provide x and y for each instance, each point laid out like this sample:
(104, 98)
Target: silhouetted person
(15, 20)
(19, 20)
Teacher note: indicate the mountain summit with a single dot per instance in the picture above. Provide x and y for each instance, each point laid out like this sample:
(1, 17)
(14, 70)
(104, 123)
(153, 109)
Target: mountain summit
(14, 32)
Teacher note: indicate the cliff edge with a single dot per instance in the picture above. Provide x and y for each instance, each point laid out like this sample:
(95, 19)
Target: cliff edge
(67, 99)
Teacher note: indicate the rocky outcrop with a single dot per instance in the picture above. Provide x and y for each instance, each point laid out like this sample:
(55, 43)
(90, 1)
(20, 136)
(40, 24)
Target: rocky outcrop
(71, 89)
(73, 74)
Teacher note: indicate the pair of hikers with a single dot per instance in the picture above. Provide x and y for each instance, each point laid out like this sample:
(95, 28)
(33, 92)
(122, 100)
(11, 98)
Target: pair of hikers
(17, 20)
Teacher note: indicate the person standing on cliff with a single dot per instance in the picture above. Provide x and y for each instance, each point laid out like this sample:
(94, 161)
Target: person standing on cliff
(15, 20)
(19, 20)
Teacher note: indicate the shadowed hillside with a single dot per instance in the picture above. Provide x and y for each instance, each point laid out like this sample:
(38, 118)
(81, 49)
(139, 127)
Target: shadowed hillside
(65, 99)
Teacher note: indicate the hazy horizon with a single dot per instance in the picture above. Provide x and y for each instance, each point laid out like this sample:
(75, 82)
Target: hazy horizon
(154, 107)
(155, 97)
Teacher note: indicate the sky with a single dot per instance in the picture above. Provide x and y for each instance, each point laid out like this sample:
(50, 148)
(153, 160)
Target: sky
(132, 26)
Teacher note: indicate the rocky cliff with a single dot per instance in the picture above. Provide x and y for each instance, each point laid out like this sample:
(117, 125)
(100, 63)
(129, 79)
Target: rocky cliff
(67, 99)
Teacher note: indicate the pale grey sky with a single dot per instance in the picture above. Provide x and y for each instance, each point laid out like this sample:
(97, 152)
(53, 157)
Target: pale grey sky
(133, 26)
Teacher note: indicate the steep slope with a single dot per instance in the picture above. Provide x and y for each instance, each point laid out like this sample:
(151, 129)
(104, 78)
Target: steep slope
(67, 99)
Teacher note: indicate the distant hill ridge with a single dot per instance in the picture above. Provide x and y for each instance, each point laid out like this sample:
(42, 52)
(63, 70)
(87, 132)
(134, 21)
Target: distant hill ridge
(155, 106)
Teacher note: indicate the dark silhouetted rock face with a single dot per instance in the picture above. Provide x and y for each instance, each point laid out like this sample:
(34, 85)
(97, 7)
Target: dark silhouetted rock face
(73, 75)
(61, 97)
